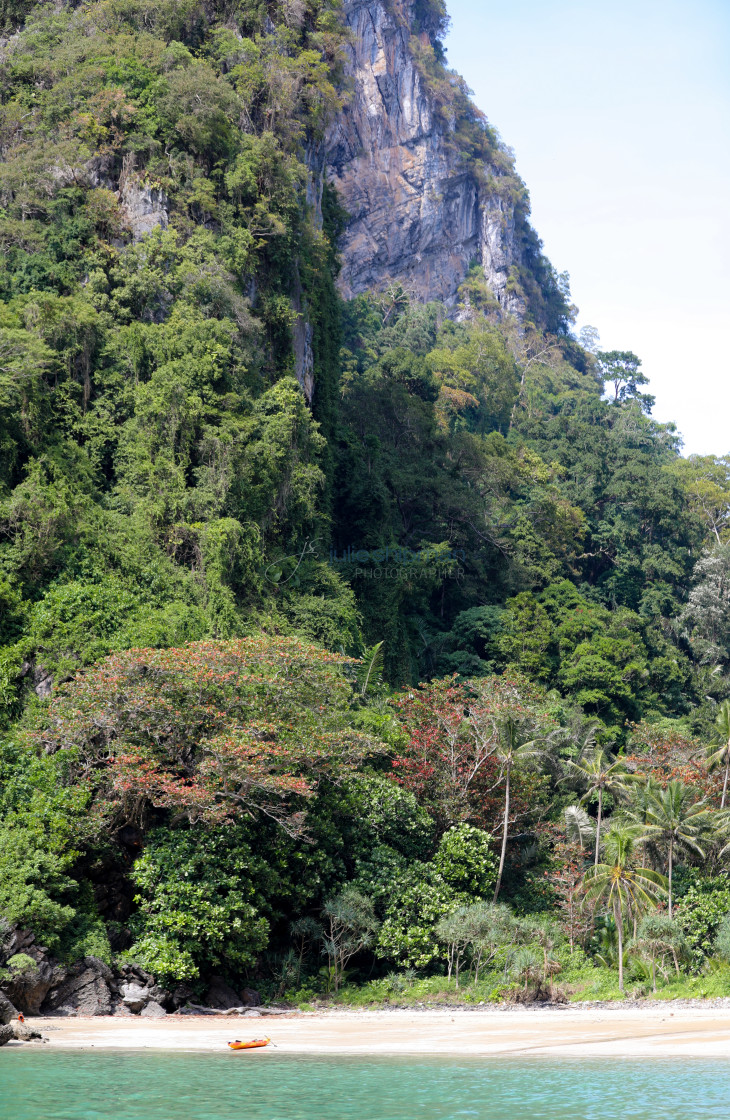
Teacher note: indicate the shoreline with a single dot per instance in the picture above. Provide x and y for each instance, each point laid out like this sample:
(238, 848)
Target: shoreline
(640, 1031)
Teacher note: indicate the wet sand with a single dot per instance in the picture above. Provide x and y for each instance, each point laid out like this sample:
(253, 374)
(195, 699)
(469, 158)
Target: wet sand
(650, 1031)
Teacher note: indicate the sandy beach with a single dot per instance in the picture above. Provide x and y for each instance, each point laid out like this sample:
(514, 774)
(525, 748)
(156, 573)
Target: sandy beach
(656, 1031)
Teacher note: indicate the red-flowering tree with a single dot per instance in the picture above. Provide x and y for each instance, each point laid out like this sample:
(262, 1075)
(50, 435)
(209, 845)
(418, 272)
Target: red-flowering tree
(451, 760)
(667, 756)
(211, 729)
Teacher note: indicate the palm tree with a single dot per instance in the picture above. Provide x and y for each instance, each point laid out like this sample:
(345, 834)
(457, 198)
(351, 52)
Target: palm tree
(673, 816)
(511, 750)
(525, 964)
(720, 756)
(600, 774)
(625, 889)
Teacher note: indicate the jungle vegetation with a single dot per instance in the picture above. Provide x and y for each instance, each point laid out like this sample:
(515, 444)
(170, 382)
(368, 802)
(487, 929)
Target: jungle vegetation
(422, 684)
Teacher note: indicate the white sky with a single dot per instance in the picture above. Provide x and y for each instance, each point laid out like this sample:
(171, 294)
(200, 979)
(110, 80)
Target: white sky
(619, 116)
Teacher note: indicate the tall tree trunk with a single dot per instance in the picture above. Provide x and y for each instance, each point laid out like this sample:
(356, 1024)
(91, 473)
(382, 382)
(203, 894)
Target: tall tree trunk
(504, 836)
(570, 897)
(598, 825)
(727, 769)
(671, 860)
(620, 927)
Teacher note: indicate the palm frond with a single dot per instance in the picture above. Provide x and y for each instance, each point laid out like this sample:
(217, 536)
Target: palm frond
(371, 671)
(579, 827)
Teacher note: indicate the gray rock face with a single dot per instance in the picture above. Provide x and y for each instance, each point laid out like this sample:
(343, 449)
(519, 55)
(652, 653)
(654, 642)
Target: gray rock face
(144, 208)
(418, 216)
(7, 1011)
(85, 992)
(6, 1033)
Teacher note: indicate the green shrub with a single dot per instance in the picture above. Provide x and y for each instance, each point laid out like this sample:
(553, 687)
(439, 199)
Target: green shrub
(702, 909)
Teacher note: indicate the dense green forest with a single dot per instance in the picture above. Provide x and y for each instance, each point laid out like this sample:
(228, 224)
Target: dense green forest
(423, 678)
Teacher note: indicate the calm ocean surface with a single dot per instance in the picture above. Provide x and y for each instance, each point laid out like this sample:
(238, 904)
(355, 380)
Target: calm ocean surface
(126, 1085)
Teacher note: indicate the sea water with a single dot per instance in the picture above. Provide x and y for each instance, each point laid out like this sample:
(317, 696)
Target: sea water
(38, 1084)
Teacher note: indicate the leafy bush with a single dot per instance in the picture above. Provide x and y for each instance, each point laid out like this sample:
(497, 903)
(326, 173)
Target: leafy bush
(36, 888)
(703, 908)
(198, 904)
(722, 939)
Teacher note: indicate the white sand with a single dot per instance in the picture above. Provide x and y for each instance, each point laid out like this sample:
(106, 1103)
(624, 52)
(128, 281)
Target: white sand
(658, 1030)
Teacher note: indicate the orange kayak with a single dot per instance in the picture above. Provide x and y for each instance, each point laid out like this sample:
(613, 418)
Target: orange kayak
(249, 1045)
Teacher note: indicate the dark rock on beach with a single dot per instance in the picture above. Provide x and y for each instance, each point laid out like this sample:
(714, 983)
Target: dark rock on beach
(7, 1011)
(223, 997)
(220, 995)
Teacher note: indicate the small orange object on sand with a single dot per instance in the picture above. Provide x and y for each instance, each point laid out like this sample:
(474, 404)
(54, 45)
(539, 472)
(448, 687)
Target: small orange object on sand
(249, 1045)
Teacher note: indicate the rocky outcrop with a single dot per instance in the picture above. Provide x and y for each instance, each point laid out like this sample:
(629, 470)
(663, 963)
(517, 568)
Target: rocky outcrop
(143, 207)
(139, 994)
(28, 987)
(418, 214)
(7, 1011)
(85, 991)
(6, 1033)
(37, 984)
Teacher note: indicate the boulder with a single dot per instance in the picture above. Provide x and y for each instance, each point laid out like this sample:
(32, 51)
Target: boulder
(22, 1032)
(7, 1011)
(181, 995)
(250, 997)
(134, 996)
(221, 995)
(86, 991)
(153, 1010)
(6, 1033)
(161, 996)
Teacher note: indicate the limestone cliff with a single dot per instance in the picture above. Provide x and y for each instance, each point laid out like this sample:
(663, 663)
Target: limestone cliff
(419, 213)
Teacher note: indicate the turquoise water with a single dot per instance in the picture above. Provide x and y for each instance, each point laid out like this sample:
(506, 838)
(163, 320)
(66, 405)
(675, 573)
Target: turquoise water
(126, 1085)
